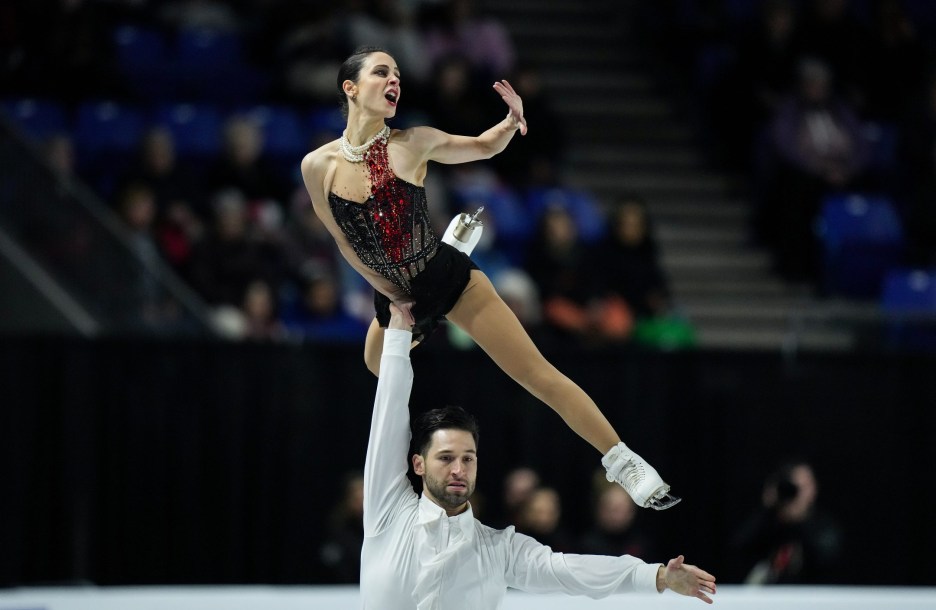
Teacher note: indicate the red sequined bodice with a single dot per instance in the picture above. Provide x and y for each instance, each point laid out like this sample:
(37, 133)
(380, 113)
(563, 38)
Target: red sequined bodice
(390, 232)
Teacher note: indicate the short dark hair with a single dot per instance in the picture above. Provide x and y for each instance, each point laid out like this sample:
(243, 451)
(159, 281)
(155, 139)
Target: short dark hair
(446, 418)
(351, 70)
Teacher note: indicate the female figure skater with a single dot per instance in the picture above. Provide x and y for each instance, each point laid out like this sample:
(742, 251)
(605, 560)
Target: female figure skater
(367, 189)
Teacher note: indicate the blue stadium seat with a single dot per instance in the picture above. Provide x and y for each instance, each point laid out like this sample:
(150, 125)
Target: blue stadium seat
(195, 128)
(37, 118)
(107, 127)
(861, 238)
(283, 131)
(107, 138)
(579, 204)
(909, 305)
(145, 62)
(203, 48)
(211, 66)
(910, 291)
(326, 122)
(138, 47)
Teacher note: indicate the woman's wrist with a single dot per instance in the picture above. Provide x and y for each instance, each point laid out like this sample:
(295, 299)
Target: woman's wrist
(512, 122)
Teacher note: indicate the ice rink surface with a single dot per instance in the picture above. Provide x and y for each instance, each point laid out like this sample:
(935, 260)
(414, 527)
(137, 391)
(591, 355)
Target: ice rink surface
(347, 598)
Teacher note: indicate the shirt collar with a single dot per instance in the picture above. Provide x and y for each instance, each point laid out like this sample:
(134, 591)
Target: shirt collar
(429, 511)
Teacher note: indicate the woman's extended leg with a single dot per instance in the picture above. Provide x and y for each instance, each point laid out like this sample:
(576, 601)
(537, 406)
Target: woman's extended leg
(483, 314)
(486, 318)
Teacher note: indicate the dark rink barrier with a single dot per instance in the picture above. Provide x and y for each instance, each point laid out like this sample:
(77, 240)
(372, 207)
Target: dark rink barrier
(202, 462)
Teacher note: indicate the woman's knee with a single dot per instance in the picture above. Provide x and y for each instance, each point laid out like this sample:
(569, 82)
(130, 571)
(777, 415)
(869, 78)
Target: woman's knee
(373, 348)
(372, 365)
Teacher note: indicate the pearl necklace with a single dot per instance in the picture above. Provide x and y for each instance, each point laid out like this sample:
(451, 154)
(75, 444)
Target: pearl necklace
(355, 154)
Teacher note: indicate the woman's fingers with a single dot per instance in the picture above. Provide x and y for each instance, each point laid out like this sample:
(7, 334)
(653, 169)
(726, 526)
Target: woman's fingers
(513, 102)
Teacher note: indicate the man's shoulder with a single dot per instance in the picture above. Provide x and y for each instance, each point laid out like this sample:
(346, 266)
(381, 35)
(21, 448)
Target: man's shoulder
(494, 533)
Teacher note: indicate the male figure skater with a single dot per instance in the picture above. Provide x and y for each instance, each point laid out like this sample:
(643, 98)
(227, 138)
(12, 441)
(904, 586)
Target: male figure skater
(428, 552)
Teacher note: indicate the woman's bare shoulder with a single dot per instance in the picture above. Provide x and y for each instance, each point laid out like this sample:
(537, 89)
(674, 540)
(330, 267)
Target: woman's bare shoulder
(319, 160)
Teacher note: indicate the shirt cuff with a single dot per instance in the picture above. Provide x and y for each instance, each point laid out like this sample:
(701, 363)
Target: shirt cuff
(645, 579)
(397, 342)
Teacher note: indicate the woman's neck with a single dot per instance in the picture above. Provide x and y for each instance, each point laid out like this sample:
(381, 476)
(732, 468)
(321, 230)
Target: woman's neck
(360, 129)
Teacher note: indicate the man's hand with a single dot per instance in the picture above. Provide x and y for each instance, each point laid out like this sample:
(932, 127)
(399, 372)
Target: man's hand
(401, 318)
(686, 580)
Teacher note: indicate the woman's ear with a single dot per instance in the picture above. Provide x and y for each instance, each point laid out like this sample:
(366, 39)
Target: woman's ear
(419, 465)
(350, 89)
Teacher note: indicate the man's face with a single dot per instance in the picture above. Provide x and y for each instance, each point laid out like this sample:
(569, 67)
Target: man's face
(448, 468)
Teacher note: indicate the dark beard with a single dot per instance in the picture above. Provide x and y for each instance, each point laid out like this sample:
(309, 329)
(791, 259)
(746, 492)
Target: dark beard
(445, 498)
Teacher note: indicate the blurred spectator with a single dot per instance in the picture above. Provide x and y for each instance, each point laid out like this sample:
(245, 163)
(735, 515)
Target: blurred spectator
(457, 104)
(242, 166)
(389, 24)
(831, 33)
(60, 154)
(789, 540)
(819, 146)
(519, 293)
(533, 159)
(767, 57)
(539, 516)
(308, 45)
(555, 261)
(259, 307)
(613, 531)
(625, 265)
(580, 204)
(229, 258)
(483, 41)
(136, 208)
(340, 555)
(306, 244)
(157, 166)
(316, 314)
(180, 212)
(519, 485)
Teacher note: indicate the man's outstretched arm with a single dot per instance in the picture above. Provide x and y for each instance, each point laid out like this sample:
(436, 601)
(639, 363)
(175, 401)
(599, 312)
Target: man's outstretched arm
(535, 568)
(386, 464)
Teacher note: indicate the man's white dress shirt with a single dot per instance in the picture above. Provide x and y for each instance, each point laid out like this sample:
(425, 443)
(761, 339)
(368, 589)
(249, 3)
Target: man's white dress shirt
(416, 557)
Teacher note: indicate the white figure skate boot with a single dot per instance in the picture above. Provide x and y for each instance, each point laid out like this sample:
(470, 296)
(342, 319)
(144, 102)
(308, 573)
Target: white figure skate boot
(638, 478)
(464, 232)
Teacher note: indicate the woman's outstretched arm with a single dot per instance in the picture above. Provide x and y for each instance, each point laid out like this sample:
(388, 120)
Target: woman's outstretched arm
(442, 147)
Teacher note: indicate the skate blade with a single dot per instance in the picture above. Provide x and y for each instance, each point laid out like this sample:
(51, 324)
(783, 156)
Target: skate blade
(664, 501)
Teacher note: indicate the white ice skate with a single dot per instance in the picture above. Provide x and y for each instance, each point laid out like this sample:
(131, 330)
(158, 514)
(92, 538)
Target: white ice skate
(464, 232)
(638, 478)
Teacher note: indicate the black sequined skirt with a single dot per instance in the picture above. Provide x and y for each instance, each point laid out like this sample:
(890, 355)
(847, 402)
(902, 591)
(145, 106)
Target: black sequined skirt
(434, 291)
